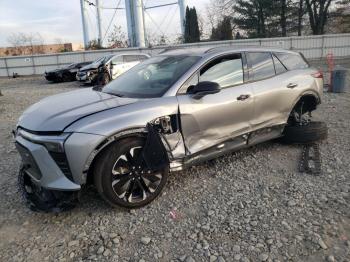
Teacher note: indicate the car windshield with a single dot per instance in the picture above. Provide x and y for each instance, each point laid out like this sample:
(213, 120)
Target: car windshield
(71, 66)
(102, 59)
(151, 78)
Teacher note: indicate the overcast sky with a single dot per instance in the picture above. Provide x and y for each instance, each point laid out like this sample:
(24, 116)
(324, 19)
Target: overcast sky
(61, 19)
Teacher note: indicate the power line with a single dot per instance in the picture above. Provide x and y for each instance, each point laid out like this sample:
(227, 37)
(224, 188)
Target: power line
(171, 18)
(110, 22)
(154, 22)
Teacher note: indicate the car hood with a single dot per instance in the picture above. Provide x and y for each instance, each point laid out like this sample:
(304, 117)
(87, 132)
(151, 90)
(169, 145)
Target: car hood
(56, 112)
(56, 70)
(90, 66)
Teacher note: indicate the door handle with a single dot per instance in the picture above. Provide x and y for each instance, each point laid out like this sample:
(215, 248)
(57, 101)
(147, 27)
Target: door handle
(243, 97)
(292, 85)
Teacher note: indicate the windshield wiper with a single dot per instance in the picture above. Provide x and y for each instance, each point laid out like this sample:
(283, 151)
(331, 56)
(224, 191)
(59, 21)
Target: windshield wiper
(114, 94)
(99, 89)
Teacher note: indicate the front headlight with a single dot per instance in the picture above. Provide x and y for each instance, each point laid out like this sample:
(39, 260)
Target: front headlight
(54, 143)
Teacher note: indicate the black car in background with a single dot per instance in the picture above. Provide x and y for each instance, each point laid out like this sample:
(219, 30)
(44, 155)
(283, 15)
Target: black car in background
(65, 74)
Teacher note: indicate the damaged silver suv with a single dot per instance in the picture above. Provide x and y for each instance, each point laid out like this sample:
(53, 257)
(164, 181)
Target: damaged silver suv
(172, 111)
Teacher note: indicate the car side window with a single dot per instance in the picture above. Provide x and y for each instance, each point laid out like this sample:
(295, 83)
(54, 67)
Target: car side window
(261, 65)
(226, 71)
(279, 67)
(141, 57)
(292, 61)
(117, 60)
(189, 84)
(131, 58)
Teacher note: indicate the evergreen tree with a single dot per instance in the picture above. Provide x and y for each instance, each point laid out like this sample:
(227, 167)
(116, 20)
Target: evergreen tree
(192, 34)
(266, 18)
(223, 31)
(251, 16)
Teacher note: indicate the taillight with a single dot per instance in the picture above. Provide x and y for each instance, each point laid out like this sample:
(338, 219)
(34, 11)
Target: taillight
(318, 74)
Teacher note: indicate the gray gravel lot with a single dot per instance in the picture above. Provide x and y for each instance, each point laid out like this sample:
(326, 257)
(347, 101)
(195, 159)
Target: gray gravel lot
(252, 205)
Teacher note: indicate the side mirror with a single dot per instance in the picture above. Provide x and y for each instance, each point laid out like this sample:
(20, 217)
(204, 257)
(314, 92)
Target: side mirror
(203, 88)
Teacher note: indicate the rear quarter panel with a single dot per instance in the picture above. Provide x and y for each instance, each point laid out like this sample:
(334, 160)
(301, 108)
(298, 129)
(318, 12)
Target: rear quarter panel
(307, 85)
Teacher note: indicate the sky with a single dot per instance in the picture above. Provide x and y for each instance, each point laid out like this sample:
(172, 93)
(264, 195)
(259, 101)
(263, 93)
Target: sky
(60, 20)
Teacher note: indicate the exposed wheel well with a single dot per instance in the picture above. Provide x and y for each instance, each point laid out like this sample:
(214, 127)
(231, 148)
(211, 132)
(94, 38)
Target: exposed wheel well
(306, 103)
(90, 178)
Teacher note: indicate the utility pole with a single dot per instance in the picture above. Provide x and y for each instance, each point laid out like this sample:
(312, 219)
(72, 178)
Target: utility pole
(140, 27)
(84, 22)
(182, 7)
(129, 10)
(98, 18)
(135, 21)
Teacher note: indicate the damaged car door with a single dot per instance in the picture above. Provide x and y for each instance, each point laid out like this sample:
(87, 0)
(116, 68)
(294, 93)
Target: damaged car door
(215, 117)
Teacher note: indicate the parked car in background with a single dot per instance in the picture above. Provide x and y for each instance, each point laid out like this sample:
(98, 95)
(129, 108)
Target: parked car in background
(170, 112)
(65, 74)
(109, 67)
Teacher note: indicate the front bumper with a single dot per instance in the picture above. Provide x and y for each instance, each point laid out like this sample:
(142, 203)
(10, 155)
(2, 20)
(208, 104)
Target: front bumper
(42, 168)
(85, 77)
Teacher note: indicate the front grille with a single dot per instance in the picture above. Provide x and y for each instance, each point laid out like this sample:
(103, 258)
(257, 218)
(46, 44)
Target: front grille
(62, 163)
(28, 161)
(81, 73)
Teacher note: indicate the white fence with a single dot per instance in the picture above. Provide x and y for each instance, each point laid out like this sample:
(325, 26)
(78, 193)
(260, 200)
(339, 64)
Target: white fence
(313, 47)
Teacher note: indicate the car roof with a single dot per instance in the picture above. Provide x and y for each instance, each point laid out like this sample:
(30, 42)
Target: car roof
(209, 51)
(131, 53)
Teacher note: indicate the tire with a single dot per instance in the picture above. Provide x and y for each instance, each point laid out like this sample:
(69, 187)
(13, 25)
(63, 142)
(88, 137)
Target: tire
(66, 77)
(106, 79)
(121, 176)
(311, 132)
(103, 79)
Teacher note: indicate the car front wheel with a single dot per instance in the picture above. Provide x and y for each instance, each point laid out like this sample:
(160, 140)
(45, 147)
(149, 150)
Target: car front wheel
(122, 178)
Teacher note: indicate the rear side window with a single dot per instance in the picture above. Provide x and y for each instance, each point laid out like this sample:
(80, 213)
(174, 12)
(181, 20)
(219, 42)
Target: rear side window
(226, 71)
(131, 58)
(292, 61)
(279, 67)
(142, 57)
(117, 60)
(261, 65)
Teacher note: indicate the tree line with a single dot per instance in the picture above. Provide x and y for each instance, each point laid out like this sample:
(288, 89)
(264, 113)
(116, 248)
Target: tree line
(230, 19)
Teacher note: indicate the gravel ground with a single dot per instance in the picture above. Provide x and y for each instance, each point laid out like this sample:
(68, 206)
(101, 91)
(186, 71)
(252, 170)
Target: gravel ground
(252, 205)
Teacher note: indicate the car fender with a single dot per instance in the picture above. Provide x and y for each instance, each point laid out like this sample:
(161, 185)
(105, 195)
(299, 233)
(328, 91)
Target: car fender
(306, 93)
(127, 120)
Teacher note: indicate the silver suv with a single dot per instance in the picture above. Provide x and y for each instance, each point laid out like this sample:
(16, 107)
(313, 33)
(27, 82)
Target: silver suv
(172, 111)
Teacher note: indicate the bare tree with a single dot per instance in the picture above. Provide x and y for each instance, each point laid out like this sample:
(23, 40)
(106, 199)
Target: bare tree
(117, 38)
(17, 40)
(216, 11)
(283, 17)
(318, 14)
(33, 41)
(300, 16)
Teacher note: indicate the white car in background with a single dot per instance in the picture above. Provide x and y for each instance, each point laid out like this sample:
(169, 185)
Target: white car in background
(109, 67)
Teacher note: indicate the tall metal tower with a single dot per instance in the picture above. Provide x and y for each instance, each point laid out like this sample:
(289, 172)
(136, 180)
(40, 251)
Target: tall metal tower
(135, 20)
(99, 22)
(182, 7)
(84, 22)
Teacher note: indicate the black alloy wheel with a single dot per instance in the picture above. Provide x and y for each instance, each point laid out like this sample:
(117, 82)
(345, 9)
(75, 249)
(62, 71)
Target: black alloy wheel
(123, 178)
